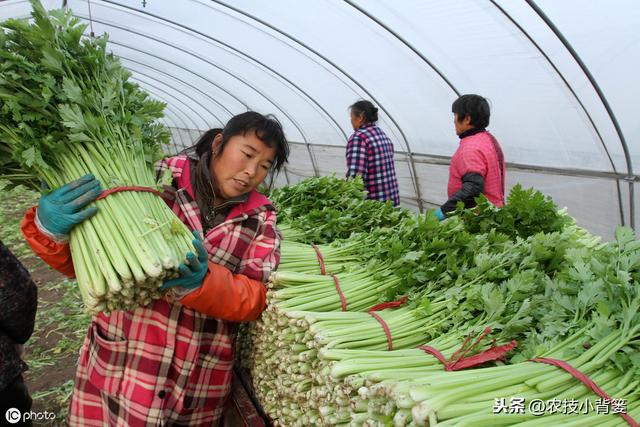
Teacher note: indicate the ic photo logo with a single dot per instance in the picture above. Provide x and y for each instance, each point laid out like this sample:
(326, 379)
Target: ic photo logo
(14, 416)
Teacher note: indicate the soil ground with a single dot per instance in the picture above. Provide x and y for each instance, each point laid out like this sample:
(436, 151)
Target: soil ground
(61, 324)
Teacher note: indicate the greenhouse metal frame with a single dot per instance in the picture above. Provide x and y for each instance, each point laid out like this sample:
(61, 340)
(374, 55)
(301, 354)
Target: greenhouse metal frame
(559, 76)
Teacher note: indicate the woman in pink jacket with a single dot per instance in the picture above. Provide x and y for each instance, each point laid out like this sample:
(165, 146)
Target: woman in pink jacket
(478, 166)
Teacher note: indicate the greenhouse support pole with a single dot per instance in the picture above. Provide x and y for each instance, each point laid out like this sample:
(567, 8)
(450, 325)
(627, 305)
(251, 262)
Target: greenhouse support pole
(90, 19)
(282, 77)
(197, 89)
(286, 175)
(314, 163)
(575, 95)
(632, 208)
(206, 122)
(627, 156)
(182, 116)
(309, 150)
(156, 88)
(146, 36)
(176, 129)
(165, 121)
(426, 61)
(412, 170)
(414, 175)
(187, 30)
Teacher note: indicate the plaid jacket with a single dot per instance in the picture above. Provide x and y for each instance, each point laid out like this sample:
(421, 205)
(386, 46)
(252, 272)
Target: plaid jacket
(246, 243)
(370, 154)
(167, 364)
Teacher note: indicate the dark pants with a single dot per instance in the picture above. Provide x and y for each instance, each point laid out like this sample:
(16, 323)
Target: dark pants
(16, 396)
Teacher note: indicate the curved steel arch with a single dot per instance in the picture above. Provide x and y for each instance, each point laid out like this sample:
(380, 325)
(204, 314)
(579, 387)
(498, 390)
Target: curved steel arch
(412, 170)
(575, 95)
(237, 52)
(186, 128)
(182, 93)
(603, 99)
(195, 88)
(174, 117)
(166, 99)
(147, 36)
(241, 55)
(286, 175)
(2, 4)
(177, 129)
(173, 63)
(273, 71)
(172, 143)
(164, 73)
(406, 43)
(195, 125)
(170, 110)
(172, 87)
(418, 53)
(175, 112)
(624, 147)
(7, 3)
(167, 107)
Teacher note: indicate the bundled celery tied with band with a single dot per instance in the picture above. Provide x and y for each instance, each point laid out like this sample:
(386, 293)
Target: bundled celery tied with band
(68, 109)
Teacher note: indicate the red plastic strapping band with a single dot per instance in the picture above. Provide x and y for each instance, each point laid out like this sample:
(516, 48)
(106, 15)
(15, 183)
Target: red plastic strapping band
(460, 362)
(436, 353)
(105, 193)
(490, 355)
(584, 380)
(385, 327)
(464, 349)
(320, 259)
(392, 304)
(342, 300)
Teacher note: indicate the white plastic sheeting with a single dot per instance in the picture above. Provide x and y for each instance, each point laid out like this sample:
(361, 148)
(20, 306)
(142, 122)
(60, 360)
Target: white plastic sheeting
(559, 75)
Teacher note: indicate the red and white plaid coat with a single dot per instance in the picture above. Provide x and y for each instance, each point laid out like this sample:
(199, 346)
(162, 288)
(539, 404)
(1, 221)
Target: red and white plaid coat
(167, 364)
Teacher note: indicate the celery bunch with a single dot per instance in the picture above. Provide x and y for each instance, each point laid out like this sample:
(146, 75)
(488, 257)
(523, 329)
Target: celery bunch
(68, 109)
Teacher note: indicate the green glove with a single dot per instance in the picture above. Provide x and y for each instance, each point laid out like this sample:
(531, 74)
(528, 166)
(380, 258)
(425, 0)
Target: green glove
(193, 270)
(62, 209)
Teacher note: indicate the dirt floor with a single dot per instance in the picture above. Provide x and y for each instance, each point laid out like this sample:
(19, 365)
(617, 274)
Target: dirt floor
(61, 324)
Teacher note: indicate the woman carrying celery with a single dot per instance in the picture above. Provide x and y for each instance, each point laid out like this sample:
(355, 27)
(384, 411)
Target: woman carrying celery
(170, 363)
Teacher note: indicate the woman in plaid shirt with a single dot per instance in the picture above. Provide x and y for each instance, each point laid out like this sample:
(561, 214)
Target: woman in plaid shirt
(370, 154)
(170, 363)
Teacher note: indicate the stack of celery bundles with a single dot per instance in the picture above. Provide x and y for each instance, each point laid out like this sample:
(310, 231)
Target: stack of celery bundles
(68, 109)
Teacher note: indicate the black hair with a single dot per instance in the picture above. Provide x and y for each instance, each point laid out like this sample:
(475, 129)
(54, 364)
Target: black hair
(367, 108)
(268, 130)
(474, 106)
(202, 145)
(204, 142)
